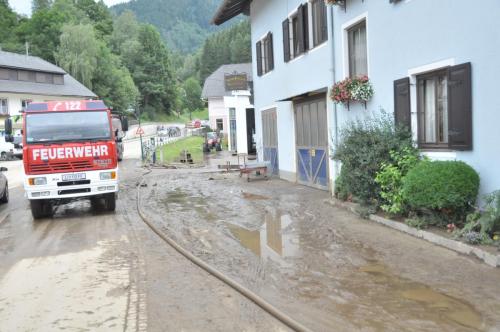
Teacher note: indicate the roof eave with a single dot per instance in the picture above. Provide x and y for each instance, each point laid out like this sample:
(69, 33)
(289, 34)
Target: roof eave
(229, 9)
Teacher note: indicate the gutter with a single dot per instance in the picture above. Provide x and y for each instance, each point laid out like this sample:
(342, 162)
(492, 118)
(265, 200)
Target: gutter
(335, 117)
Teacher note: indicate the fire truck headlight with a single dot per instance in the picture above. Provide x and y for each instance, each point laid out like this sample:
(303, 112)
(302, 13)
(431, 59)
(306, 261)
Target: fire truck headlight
(107, 176)
(40, 181)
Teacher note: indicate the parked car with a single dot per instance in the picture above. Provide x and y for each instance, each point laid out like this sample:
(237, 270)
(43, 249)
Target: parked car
(4, 186)
(6, 149)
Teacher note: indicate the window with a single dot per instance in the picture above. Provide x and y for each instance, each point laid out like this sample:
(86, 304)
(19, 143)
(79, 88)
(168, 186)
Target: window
(433, 106)
(44, 78)
(58, 79)
(24, 103)
(444, 107)
(4, 107)
(319, 22)
(220, 124)
(27, 76)
(358, 59)
(4, 74)
(296, 33)
(265, 55)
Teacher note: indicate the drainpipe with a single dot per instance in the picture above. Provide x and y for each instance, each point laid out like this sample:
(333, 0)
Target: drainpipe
(335, 118)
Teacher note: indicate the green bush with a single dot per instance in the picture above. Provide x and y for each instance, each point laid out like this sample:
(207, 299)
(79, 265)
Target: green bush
(363, 148)
(390, 178)
(446, 187)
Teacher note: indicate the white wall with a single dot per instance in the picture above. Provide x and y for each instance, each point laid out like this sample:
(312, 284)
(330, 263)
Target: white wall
(240, 103)
(309, 72)
(217, 110)
(14, 100)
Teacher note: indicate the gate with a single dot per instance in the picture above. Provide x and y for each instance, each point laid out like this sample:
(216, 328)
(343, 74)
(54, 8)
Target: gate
(311, 132)
(270, 140)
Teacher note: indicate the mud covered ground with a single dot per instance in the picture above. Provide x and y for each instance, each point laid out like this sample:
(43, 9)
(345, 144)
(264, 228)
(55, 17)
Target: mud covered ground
(322, 265)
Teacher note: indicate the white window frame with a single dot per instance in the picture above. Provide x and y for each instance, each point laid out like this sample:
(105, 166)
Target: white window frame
(6, 106)
(345, 42)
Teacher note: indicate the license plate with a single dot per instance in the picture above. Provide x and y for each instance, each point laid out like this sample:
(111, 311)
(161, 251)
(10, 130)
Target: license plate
(74, 177)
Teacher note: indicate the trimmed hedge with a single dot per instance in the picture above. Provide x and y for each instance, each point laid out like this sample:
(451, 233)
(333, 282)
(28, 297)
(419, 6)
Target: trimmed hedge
(447, 187)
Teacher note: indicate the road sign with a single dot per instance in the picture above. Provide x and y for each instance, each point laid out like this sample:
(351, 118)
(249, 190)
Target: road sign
(139, 131)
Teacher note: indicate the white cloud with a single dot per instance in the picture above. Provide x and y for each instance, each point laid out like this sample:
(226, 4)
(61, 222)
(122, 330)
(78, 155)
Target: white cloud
(24, 6)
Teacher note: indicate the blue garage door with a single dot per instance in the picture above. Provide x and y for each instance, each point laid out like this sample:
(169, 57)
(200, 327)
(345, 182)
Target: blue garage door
(311, 133)
(270, 140)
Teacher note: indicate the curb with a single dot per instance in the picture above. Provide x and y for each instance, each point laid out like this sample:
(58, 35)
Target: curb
(457, 246)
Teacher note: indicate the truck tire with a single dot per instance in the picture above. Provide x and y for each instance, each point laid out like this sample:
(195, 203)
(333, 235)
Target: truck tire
(5, 196)
(110, 202)
(40, 208)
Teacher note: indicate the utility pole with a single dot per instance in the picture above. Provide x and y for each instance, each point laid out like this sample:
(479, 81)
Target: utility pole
(138, 114)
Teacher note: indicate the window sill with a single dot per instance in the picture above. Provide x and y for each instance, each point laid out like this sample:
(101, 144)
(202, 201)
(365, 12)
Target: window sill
(317, 47)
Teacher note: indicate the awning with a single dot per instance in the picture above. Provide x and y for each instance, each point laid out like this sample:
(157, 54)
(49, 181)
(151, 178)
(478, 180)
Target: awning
(229, 9)
(318, 92)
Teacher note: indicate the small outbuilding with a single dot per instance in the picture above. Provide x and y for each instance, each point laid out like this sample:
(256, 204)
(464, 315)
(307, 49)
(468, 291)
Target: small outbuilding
(229, 94)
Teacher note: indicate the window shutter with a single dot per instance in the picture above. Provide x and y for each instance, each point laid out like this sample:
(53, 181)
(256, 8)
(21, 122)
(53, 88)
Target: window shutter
(270, 51)
(301, 27)
(460, 107)
(259, 58)
(324, 22)
(402, 106)
(305, 15)
(286, 40)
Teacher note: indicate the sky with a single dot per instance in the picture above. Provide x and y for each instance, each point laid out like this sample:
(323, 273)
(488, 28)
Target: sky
(24, 6)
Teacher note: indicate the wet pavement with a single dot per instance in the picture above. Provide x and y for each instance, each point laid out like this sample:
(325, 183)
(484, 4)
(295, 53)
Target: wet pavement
(324, 266)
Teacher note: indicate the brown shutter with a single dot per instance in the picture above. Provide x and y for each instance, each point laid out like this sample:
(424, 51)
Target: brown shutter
(286, 39)
(305, 15)
(324, 22)
(270, 51)
(301, 36)
(460, 107)
(402, 105)
(259, 58)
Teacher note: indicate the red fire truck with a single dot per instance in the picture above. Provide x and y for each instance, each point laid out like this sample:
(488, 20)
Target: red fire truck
(69, 152)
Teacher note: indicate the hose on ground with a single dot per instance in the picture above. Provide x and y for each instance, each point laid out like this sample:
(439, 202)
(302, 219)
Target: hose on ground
(266, 306)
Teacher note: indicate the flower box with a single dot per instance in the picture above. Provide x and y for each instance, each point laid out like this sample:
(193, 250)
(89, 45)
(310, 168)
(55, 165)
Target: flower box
(357, 89)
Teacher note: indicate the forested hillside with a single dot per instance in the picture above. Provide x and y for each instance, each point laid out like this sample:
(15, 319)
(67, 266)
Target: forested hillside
(183, 24)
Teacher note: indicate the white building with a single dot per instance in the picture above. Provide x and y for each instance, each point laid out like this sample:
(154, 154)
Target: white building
(231, 111)
(25, 79)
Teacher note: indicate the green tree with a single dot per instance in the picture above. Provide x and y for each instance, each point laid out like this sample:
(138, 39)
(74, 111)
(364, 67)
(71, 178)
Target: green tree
(37, 5)
(43, 30)
(149, 63)
(8, 24)
(192, 99)
(78, 52)
(113, 82)
(125, 29)
(99, 15)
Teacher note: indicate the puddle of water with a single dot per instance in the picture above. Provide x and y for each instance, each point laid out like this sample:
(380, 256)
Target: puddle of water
(270, 240)
(254, 197)
(436, 306)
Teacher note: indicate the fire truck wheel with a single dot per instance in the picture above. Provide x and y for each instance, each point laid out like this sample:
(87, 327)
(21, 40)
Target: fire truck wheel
(5, 196)
(110, 201)
(41, 208)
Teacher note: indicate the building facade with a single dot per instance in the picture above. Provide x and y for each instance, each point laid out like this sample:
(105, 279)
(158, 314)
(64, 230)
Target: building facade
(432, 65)
(25, 79)
(230, 109)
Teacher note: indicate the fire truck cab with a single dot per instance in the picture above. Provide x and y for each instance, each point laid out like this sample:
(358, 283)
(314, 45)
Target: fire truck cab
(69, 152)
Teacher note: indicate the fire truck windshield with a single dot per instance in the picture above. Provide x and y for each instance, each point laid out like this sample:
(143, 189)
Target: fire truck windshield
(67, 126)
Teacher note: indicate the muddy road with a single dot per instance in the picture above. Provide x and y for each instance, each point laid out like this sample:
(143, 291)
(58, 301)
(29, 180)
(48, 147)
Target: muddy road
(322, 265)
(88, 271)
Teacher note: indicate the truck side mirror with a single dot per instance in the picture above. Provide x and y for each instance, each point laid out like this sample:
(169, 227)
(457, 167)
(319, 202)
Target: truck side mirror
(8, 130)
(124, 124)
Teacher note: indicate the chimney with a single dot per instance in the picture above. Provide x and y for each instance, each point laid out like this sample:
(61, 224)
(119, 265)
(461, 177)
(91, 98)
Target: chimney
(27, 49)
